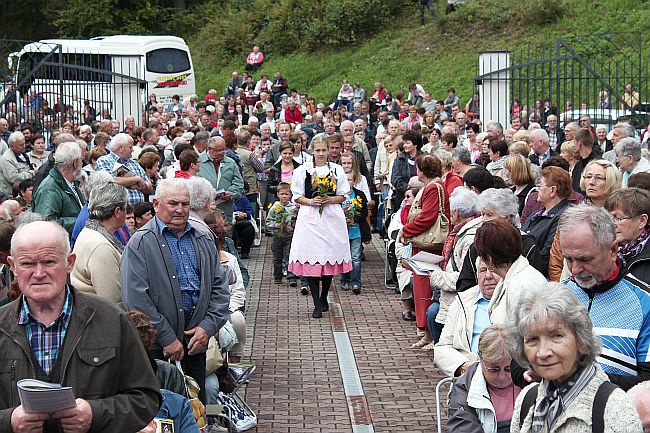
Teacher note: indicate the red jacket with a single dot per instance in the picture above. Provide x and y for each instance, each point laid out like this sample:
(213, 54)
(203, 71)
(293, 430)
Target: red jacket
(452, 181)
(380, 96)
(294, 116)
(429, 211)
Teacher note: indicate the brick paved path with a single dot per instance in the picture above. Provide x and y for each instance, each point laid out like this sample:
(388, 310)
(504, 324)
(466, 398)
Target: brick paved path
(298, 385)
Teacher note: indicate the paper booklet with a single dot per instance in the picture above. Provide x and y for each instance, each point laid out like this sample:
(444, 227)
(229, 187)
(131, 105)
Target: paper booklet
(162, 425)
(219, 201)
(423, 262)
(119, 170)
(42, 397)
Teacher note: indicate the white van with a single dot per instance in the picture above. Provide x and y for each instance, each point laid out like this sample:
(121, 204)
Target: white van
(115, 74)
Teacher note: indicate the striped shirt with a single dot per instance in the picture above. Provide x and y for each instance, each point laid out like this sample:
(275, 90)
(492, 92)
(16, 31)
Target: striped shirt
(621, 318)
(46, 340)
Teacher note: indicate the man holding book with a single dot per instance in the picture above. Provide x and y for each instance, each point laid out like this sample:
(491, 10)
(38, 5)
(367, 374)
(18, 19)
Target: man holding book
(58, 335)
(126, 171)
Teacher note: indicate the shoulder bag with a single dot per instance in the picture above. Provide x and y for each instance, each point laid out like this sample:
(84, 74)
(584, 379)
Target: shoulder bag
(434, 238)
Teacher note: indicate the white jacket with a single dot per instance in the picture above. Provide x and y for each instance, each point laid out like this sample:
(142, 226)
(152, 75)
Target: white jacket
(453, 349)
(403, 275)
(381, 163)
(520, 278)
(236, 282)
(478, 397)
(446, 280)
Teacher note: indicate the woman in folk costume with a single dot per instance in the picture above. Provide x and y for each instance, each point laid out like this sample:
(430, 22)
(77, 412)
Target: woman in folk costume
(320, 248)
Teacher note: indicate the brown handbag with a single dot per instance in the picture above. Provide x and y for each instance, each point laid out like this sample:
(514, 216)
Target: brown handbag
(434, 238)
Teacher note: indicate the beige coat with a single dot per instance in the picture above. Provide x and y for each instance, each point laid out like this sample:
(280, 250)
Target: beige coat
(446, 280)
(453, 349)
(620, 415)
(97, 269)
(520, 278)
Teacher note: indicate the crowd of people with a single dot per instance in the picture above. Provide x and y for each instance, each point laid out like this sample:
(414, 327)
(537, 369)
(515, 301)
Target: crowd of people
(159, 220)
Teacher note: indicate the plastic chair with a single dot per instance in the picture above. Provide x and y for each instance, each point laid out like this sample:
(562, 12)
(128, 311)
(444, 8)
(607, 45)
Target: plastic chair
(446, 380)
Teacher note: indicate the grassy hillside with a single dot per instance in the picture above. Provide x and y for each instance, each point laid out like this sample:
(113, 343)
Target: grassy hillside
(439, 54)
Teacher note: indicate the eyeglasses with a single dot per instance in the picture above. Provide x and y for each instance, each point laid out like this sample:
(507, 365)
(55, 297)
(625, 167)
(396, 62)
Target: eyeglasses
(497, 369)
(588, 177)
(618, 220)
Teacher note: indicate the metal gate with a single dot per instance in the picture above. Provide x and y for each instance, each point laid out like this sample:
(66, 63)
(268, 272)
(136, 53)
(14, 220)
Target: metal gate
(45, 87)
(604, 76)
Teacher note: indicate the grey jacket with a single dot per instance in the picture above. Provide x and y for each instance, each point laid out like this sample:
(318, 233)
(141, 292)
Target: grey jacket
(13, 171)
(149, 284)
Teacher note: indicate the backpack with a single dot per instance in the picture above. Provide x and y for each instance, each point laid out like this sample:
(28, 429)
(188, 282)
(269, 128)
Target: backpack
(597, 411)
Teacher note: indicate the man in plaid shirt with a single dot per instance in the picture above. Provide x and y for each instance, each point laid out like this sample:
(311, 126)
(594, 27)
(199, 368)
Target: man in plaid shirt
(169, 272)
(127, 171)
(56, 334)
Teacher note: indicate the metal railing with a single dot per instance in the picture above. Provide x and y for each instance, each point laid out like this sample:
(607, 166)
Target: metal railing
(604, 76)
(45, 86)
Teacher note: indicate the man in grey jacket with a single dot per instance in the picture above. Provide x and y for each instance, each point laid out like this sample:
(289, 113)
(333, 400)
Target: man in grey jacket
(15, 165)
(170, 272)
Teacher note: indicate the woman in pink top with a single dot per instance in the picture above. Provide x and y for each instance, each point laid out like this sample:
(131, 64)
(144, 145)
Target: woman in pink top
(254, 60)
(483, 397)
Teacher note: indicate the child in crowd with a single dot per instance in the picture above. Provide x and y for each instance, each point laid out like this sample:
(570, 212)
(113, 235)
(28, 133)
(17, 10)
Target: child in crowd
(355, 208)
(281, 220)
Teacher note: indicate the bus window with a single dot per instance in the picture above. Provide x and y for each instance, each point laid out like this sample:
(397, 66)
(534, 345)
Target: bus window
(167, 61)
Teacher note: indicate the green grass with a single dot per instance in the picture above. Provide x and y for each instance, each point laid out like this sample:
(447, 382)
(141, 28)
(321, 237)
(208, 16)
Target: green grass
(440, 54)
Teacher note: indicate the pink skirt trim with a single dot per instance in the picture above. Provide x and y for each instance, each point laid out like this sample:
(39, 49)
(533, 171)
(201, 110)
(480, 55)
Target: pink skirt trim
(318, 270)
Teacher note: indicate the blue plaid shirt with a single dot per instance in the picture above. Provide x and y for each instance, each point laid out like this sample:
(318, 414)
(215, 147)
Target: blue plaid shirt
(187, 265)
(107, 163)
(46, 340)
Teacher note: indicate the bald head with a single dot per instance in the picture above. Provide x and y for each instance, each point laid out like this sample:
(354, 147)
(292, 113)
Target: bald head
(38, 233)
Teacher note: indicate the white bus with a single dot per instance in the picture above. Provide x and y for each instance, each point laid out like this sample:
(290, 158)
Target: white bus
(115, 74)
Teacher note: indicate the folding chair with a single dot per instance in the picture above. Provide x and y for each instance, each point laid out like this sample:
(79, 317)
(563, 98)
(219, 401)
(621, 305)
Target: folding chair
(445, 381)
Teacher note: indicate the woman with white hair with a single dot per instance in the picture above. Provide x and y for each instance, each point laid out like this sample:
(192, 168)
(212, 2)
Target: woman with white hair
(464, 215)
(630, 159)
(498, 204)
(553, 336)
(96, 179)
(97, 268)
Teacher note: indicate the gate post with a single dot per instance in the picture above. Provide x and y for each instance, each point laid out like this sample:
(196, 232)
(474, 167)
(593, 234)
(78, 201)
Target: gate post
(494, 88)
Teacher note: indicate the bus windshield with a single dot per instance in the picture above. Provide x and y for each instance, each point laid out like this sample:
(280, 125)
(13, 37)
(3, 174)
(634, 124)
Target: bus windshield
(168, 61)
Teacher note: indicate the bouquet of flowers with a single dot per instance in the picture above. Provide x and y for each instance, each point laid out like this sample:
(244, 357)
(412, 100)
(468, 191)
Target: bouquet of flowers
(285, 219)
(352, 210)
(324, 186)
